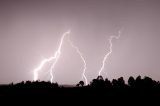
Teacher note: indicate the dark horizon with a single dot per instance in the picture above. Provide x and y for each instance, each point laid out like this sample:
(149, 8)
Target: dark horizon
(126, 82)
(100, 90)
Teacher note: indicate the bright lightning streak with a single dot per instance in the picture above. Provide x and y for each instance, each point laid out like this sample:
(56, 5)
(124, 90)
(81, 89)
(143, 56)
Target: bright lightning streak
(83, 59)
(55, 57)
(110, 51)
(40, 67)
(58, 53)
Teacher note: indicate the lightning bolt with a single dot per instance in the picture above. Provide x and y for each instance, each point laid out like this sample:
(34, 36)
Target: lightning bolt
(110, 51)
(58, 53)
(83, 59)
(55, 57)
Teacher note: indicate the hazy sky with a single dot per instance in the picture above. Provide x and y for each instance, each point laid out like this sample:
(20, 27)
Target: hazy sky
(30, 31)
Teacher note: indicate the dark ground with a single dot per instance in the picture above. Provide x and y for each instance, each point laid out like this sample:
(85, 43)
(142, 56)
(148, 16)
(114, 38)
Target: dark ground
(98, 91)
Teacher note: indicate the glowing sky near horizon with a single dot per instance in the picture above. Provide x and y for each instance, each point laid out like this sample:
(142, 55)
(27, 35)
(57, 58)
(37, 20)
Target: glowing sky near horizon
(30, 32)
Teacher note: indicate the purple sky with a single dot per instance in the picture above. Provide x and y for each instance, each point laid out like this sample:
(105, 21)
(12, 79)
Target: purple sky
(30, 31)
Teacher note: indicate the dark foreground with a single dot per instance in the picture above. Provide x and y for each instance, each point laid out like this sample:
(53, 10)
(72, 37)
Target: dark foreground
(98, 91)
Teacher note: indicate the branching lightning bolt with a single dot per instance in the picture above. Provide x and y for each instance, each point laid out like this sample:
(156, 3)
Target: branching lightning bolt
(83, 59)
(110, 51)
(58, 53)
(55, 57)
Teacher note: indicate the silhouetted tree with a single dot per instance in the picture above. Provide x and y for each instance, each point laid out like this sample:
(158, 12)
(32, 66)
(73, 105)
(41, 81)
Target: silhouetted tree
(114, 83)
(138, 82)
(99, 82)
(94, 83)
(100, 78)
(148, 82)
(108, 84)
(81, 83)
(121, 82)
(131, 81)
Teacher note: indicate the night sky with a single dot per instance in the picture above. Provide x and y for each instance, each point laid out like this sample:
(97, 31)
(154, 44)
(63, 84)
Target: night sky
(30, 31)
